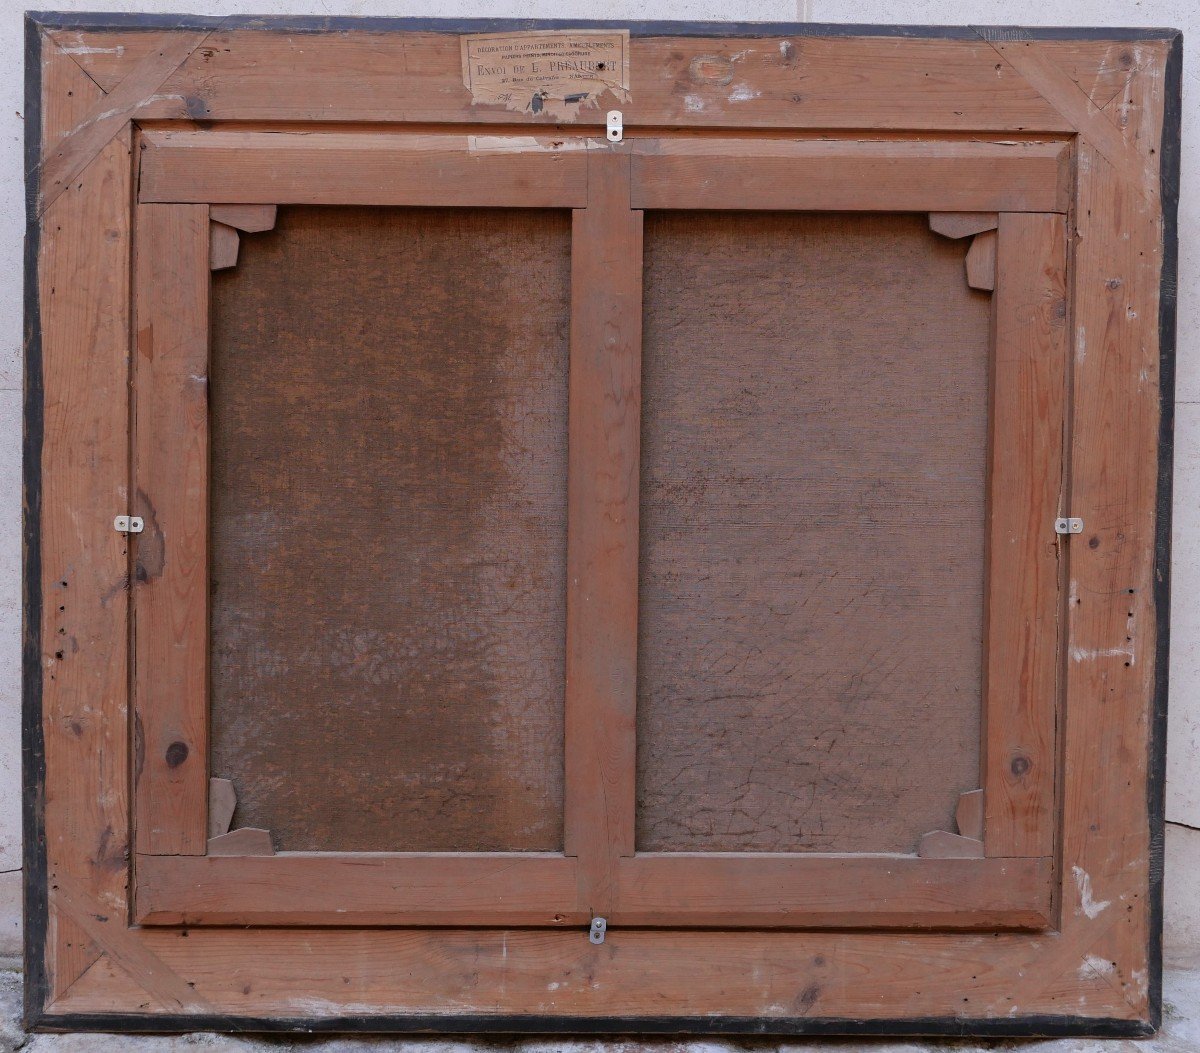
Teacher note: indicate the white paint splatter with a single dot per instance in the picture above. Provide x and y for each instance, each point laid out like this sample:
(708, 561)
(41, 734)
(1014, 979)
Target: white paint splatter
(743, 93)
(83, 49)
(1093, 963)
(120, 110)
(693, 103)
(1141, 980)
(1088, 905)
(318, 1007)
(518, 144)
(1088, 654)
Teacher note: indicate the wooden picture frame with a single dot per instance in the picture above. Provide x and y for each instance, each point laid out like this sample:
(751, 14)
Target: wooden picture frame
(155, 146)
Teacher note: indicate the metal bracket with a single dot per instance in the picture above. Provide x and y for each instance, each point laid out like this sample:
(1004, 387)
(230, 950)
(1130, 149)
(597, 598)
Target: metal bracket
(597, 931)
(1070, 525)
(128, 525)
(616, 129)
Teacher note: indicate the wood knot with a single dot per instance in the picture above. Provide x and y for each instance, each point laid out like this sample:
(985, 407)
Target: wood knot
(177, 753)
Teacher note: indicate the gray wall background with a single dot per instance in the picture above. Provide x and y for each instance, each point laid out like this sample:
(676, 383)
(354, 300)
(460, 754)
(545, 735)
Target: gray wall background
(1183, 778)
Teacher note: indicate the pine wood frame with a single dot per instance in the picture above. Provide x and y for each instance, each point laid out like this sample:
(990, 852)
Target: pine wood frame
(124, 157)
(599, 873)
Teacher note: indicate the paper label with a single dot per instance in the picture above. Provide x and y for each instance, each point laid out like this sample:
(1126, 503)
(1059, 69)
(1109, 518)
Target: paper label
(553, 72)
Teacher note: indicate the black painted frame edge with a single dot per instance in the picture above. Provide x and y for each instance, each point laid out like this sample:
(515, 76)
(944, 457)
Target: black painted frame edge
(33, 757)
(682, 1026)
(98, 20)
(36, 907)
(1169, 174)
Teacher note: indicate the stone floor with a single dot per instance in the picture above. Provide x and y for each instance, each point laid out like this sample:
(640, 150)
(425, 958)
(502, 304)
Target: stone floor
(1180, 1034)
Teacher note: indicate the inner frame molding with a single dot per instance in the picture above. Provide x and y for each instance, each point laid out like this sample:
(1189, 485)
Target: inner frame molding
(101, 90)
(393, 168)
(599, 875)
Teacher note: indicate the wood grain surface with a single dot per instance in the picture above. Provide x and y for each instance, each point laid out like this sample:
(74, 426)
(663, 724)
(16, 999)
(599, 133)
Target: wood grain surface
(83, 283)
(848, 174)
(775, 81)
(1095, 970)
(364, 168)
(602, 553)
(360, 888)
(1026, 477)
(171, 480)
(671, 890)
(965, 978)
(807, 890)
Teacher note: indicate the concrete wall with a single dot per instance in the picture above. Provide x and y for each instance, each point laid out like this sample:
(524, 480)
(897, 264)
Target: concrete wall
(1183, 807)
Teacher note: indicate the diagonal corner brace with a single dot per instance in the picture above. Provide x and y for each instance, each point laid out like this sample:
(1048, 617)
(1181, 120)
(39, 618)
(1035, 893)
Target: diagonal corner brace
(1056, 86)
(110, 114)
